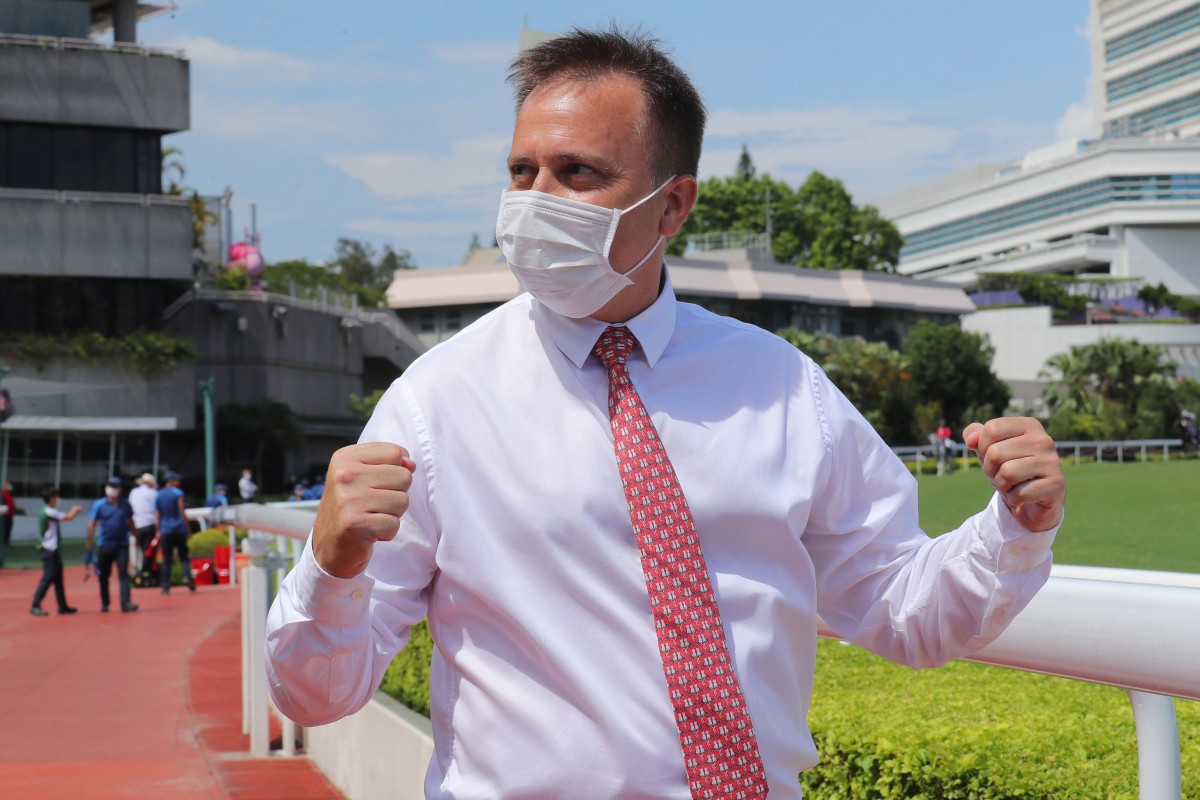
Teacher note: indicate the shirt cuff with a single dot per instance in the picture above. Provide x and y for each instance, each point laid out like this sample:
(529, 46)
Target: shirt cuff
(1020, 549)
(333, 601)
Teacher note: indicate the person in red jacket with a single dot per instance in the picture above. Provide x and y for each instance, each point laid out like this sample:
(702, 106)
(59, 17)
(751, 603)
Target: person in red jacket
(6, 521)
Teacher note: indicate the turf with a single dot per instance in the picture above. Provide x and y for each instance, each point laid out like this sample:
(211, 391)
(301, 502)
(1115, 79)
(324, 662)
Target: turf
(1132, 515)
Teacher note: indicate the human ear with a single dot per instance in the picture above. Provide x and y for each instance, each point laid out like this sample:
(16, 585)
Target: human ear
(681, 197)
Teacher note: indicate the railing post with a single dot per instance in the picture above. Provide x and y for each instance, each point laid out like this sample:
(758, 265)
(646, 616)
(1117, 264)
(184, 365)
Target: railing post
(233, 581)
(254, 615)
(1159, 768)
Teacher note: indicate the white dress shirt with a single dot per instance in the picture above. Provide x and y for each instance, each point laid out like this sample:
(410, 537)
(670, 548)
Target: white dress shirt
(141, 500)
(517, 545)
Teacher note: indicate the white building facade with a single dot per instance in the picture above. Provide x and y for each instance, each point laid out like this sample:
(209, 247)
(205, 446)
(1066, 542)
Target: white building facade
(1125, 204)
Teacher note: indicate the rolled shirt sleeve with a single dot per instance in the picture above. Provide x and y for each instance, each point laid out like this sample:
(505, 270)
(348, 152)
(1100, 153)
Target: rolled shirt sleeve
(329, 639)
(886, 586)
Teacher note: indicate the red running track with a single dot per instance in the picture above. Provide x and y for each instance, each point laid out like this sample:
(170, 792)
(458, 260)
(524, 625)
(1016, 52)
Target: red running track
(145, 704)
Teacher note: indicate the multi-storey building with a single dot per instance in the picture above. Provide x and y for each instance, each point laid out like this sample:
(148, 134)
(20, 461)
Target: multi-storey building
(1123, 204)
(90, 243)
(741, 282)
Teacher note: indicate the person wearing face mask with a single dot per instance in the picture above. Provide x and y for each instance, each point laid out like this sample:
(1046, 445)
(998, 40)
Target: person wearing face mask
(113, 516)
(622, 514)
(170, 521)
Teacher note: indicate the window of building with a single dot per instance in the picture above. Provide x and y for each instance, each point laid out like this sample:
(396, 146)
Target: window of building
(1160, 30)
(1111, 189)
(73, 158)
(1172, 69)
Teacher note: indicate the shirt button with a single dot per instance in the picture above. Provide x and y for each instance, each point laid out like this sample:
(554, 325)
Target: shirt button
(356, 594)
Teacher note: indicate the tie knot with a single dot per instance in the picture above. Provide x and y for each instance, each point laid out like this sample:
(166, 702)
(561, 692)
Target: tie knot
(614, 346)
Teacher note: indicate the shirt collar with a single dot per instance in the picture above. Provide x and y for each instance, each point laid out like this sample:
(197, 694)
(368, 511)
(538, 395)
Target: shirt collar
(576, 337)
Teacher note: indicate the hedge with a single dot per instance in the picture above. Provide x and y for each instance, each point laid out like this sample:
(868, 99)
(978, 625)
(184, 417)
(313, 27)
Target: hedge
(963, 732)
(974, 732)
(201, 544)
(407, 677)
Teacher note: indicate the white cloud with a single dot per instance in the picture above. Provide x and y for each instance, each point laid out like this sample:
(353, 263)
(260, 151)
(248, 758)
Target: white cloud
(473, 52)
(1076, 122)
(472, 172)
(227, 57)
(258, 66)
(408, 229)
(875, 150)
(265, 119)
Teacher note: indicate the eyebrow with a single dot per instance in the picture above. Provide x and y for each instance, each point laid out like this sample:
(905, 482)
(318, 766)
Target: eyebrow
(600, 161)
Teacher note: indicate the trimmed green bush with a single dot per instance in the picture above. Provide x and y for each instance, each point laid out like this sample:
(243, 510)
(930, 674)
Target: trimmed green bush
(201, 544)
(963, 732)
(407, 677)
(974, 732)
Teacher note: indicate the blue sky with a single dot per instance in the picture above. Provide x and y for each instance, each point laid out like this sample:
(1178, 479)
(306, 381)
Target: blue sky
(390, 121)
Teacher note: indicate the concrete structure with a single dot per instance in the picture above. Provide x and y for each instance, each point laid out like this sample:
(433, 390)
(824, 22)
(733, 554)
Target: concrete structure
(308, 355)
(1125, 204)
(746, 284)
(90, 244)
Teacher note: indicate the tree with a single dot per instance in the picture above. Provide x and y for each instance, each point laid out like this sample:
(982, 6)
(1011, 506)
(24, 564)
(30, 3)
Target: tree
(369, 272)
(953, 368)
(173, 172)
(745, 166)
(364, 407)
(874, 377)
(260, 433)
(1112, 388)
(816, 226)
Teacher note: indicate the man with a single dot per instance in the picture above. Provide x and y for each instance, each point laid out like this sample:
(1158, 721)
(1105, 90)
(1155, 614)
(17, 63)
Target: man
(622, 514)
(141, 499)
(114, 517)
(247, 488)
(170, 523)
(8, 509)
(50, 521)
(217, 498)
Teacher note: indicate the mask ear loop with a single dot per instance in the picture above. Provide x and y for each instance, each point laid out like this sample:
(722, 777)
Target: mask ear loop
(612, 228)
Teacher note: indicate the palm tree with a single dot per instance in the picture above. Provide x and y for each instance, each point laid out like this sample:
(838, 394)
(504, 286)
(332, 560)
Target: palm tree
(1110, 388)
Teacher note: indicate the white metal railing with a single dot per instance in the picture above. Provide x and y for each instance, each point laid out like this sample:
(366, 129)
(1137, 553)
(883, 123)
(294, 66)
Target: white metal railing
(286, 525)
(918, 453)
(383, 317)
(729, 240)
(69, 43)
(1130, 629)
(64, 196)
(1120, 445)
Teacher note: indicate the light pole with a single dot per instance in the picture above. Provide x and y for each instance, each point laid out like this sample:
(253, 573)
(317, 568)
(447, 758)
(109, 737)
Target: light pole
(210, 436)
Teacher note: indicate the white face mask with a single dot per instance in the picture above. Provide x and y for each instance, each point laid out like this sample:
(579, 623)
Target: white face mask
(558, 249)
(112, 491)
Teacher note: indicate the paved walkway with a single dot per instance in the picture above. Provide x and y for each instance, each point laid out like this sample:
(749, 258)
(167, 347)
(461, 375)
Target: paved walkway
(135, 705)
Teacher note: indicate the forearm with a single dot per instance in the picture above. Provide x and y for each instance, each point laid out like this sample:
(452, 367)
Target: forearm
(953, 594)
(325, 653)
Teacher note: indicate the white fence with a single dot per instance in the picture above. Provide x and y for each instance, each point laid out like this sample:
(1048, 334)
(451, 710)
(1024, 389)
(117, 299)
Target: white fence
(1098, 450)
(1135, 630)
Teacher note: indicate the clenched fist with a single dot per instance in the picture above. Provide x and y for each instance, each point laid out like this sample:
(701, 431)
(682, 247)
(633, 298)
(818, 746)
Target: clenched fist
(366, 493)
(1020, 461)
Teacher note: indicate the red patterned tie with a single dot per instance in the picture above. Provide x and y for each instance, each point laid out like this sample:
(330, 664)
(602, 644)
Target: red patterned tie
(719, 748)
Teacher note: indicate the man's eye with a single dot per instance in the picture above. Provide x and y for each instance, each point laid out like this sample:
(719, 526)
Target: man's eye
(580, 169)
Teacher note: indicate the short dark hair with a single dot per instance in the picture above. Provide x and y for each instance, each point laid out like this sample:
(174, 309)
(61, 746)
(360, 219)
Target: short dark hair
(48, 492)
(676, 112)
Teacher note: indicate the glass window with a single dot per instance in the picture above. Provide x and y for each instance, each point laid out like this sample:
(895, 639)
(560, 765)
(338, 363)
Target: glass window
(30, 157)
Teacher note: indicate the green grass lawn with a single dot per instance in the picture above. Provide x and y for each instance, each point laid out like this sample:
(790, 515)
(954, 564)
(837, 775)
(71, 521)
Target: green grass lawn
(24, 554)
(1010, 733)
(1132, 515)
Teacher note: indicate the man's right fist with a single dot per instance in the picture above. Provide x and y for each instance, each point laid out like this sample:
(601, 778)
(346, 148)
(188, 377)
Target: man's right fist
(366, 493)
